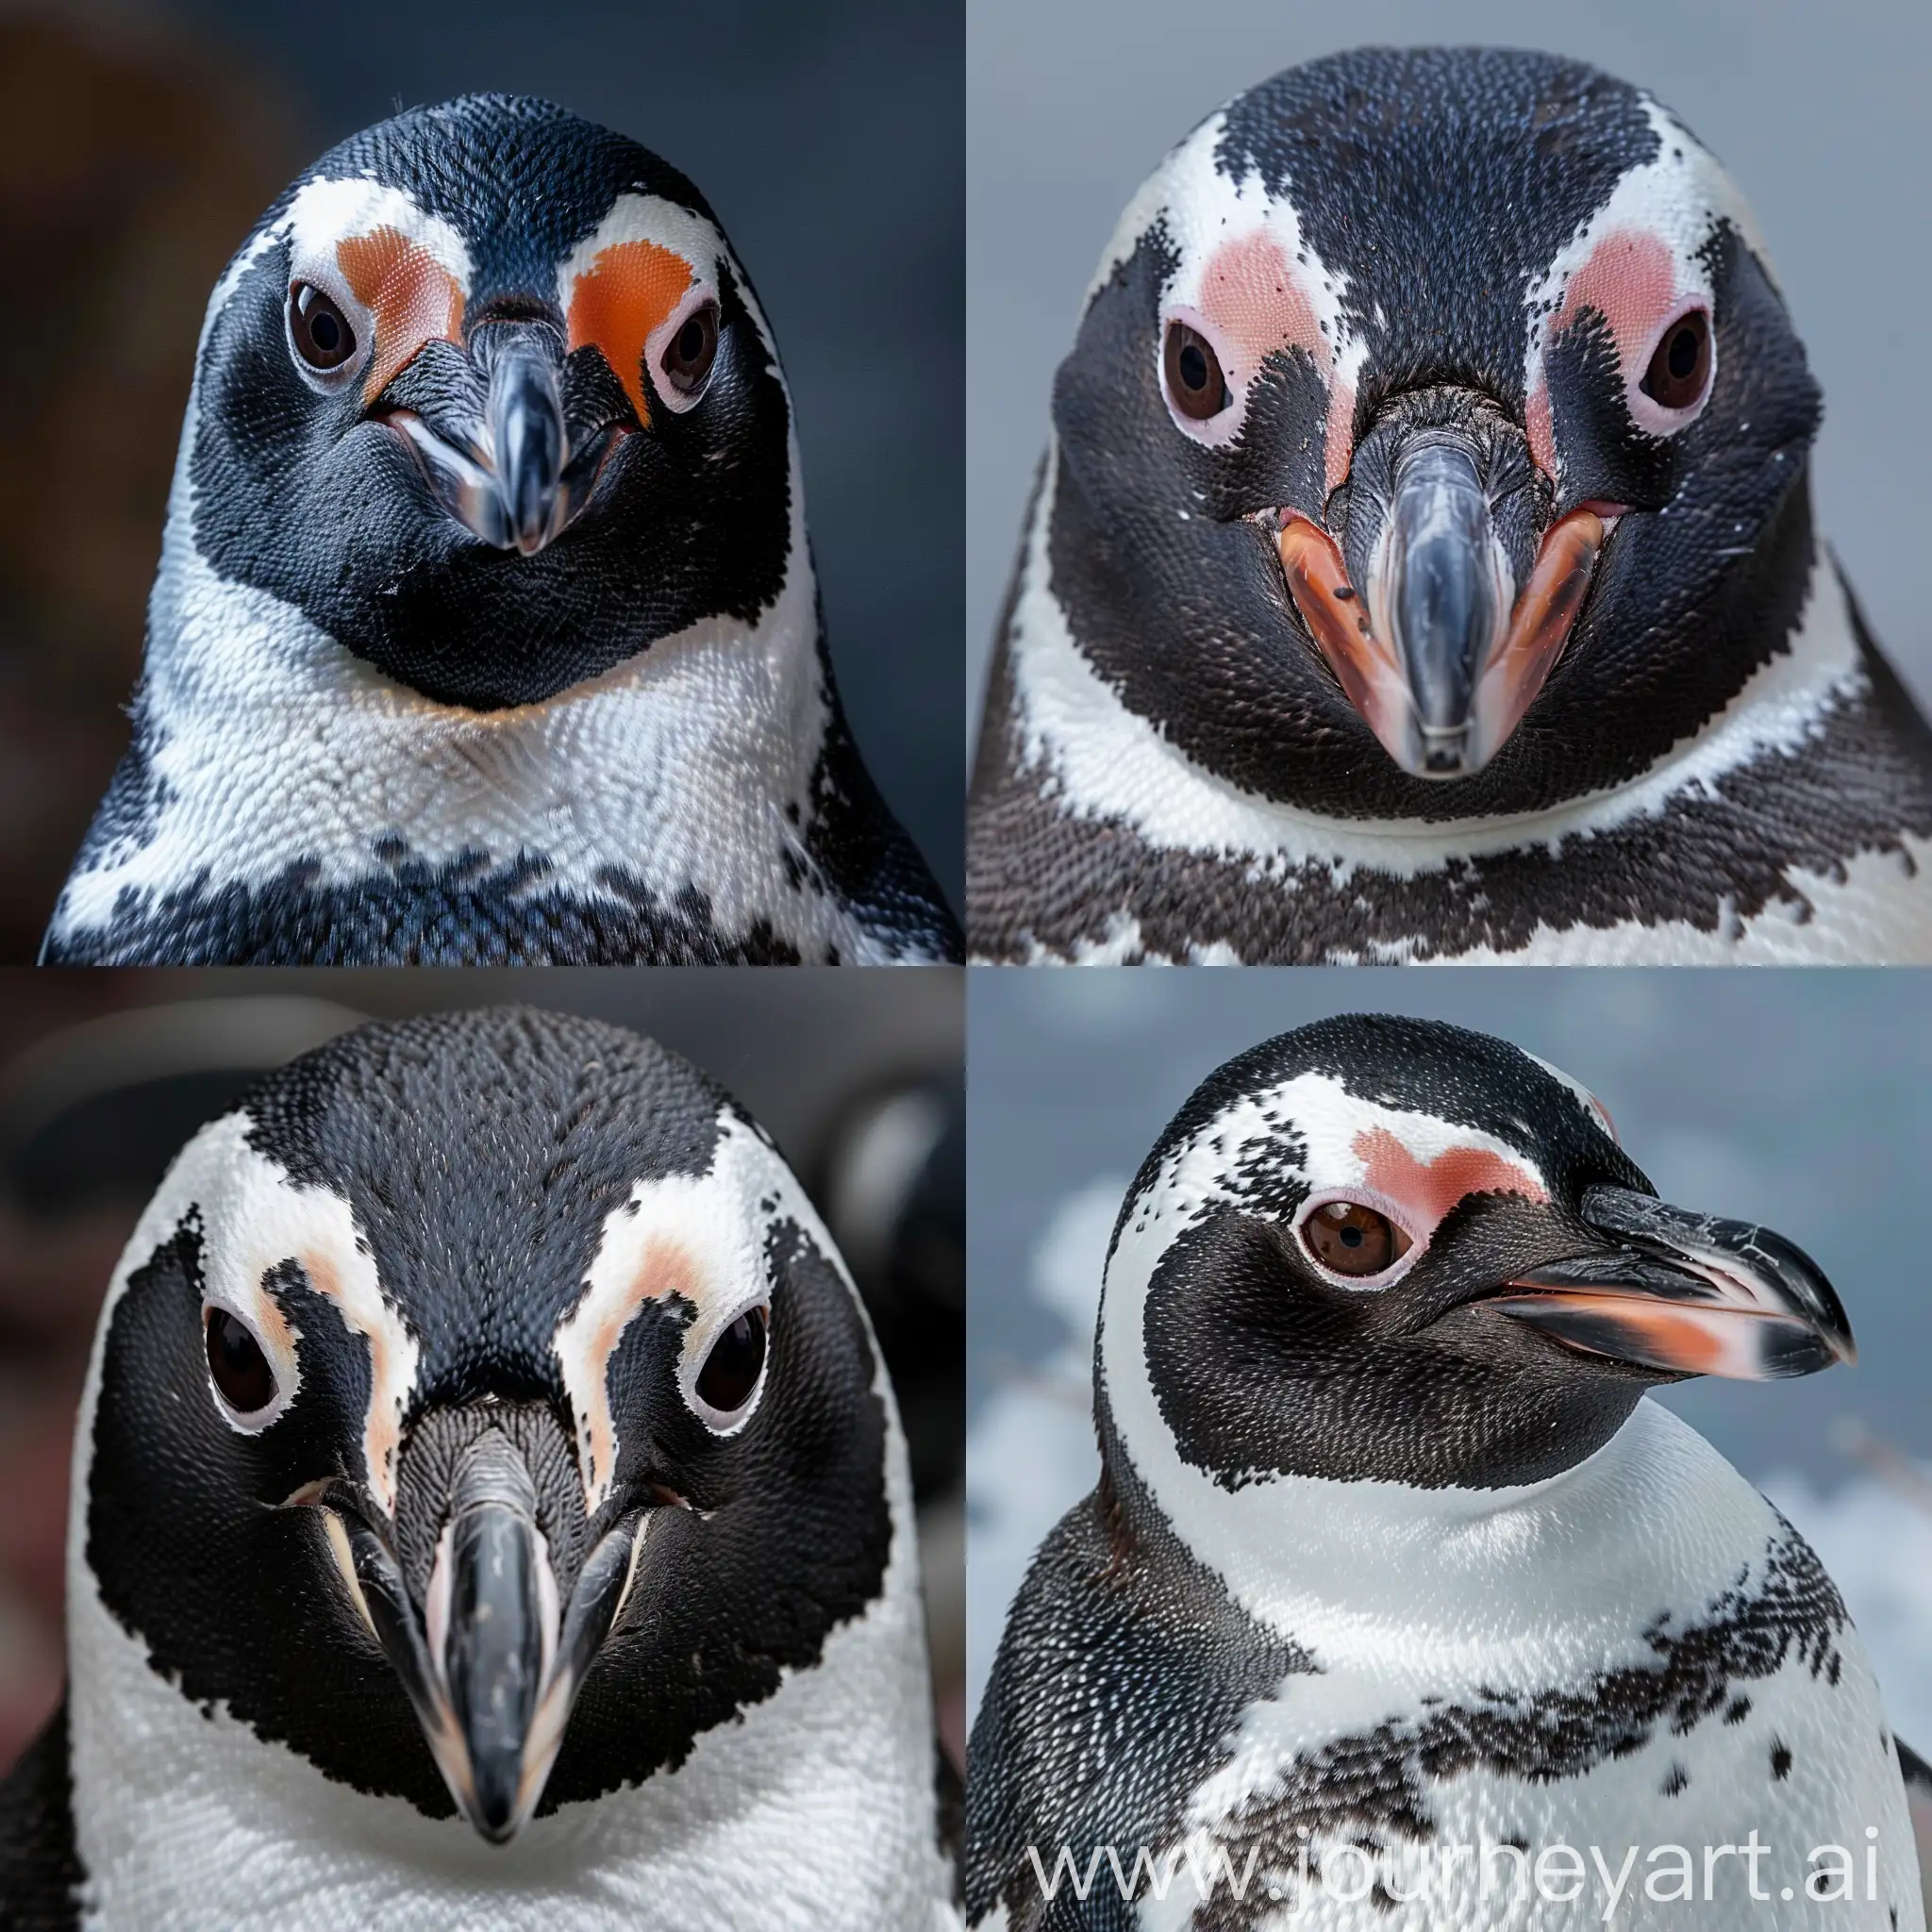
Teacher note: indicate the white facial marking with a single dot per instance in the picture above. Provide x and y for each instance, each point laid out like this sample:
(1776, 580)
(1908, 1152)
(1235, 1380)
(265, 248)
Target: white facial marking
(699, 1238)
(324, 213)
(1249, 280)
(253, 1218)
(1638, 259)
(1413, 1167)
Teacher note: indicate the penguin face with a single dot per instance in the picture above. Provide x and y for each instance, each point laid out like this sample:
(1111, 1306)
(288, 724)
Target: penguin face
(483, 1414)
(486, 397)
(1393, 1249)
(1438, 401)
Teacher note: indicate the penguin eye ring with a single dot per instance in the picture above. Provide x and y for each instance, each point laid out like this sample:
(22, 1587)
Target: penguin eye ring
(1352, 1239)
(689, 355)
(317, 328)
(1194, 377)
(733, 1369)
(239, 1366)
(1679, 376)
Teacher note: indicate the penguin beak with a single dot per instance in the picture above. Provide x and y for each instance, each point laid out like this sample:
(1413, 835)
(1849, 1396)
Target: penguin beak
(493, 437)
(491, 1665)
(491, 1627)
(1689, 1294)
(1438, 651)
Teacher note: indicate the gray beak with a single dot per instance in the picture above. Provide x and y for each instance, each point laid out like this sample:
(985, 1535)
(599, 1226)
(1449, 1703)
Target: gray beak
(491, 435)
(526, 436)
(494, 1658)
(498, 1631)
(1689, 1294)
(1441, 592)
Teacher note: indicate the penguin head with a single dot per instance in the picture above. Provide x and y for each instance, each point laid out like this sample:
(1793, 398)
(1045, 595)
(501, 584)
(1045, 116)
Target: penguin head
(1433, 442)
(1393, 1249)
(481, 1412)
(487, 399)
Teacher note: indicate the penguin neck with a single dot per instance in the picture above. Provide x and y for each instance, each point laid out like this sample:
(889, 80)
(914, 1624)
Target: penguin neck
(1373, 1570)
(263, 749)
(1068, 735)
(724, 705)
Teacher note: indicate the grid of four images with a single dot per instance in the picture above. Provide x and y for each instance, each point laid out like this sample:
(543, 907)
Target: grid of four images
(625, 1303)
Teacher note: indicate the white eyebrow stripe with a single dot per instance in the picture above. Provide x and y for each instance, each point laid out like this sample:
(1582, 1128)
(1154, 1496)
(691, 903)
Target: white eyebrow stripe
(1679, 197)
(324, 212)
(701, 1238)
(260, 1218)
(253, 1218)
(634, 217)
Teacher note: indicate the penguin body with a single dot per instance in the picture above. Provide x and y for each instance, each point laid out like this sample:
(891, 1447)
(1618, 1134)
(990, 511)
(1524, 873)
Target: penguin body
(1419, 627)
(486, 626)
(1392, 1583)
(513, 1297)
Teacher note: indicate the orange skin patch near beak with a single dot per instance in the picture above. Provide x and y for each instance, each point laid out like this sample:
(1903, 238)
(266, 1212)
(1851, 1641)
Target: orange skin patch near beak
(1338, 619)
(1428, 1189)
(625, 292)
(413, 298)
(1723, 1339)
(1544, 612)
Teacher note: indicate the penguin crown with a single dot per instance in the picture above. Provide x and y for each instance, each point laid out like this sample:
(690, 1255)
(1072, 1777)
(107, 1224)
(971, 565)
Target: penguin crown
(1362, 1134)
(486, 397)
(467, 1360)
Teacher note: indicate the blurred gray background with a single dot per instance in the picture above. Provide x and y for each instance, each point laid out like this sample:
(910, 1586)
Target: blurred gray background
(1802, 1099)
(139, 141)
(1818, 111)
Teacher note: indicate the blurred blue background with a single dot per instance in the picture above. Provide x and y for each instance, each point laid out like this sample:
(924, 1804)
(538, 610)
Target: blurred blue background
(1819, 112)
(139, 141)
(1802, 1099)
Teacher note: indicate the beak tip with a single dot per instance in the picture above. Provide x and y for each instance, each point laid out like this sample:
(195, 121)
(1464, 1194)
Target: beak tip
(492, 1812)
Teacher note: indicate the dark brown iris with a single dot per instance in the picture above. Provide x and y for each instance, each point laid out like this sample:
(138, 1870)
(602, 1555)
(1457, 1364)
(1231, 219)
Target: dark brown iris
(1193, 373)
(1348, 1238)
(1680, 365)
(235, 1359)
(731, 1370)
(689, 354)
(319, 329)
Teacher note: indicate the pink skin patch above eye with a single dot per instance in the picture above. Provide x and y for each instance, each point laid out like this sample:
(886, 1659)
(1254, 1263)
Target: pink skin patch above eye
(1252, 295)
(1427, 1190)
(1631, 281)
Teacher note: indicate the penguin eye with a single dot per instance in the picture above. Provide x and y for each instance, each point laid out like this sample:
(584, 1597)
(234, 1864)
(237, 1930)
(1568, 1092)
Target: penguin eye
(1193, 373)
(1349, 1238)
(319, 329)
(731, 1371)
(1680, 363)
(687, 357)
(240, 1371)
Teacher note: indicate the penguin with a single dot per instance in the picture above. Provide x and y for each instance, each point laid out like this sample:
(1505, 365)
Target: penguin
(488, 1508)
(1422, 563)
(1394, 1585)
(486, 627)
